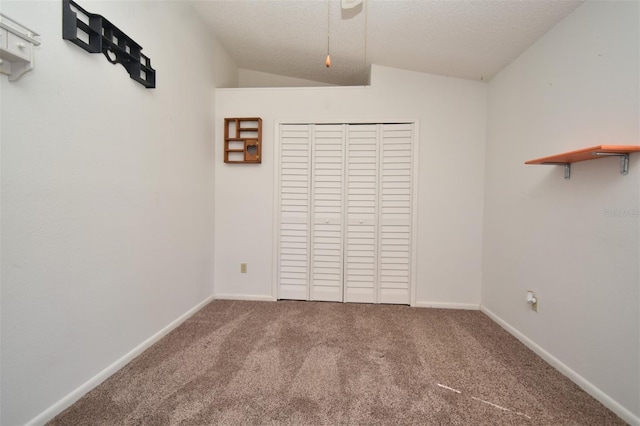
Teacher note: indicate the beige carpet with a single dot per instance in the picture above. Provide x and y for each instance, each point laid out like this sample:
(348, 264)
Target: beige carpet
(310, 363)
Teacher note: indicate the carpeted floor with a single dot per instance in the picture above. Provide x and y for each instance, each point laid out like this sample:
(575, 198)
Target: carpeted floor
(311, 363)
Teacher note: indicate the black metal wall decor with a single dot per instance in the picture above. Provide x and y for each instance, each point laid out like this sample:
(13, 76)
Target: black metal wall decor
(96, 34)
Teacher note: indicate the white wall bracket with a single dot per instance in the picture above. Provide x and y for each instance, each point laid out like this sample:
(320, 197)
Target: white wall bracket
(16, 48)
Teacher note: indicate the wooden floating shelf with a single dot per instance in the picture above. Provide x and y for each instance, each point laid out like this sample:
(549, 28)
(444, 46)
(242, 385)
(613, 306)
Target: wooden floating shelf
(592, 153)
(586, 154)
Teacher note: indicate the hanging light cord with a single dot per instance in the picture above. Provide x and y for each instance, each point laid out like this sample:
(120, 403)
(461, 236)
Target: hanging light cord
(366, 33)
(328, 60)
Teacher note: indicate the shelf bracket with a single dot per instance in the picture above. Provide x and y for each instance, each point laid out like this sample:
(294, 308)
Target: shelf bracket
(567, 168)
(624, 160)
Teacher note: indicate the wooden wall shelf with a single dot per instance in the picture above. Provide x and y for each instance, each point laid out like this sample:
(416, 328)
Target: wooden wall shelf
(592, 153)
(243, 140)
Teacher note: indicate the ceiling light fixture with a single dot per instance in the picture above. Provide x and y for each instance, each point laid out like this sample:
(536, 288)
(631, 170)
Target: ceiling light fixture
(327, 61)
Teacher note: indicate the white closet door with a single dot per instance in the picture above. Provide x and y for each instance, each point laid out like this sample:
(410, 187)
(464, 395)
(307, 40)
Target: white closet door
(361, 275)
(395, 214)
(327, 212)
(295, 208)
(345, 213)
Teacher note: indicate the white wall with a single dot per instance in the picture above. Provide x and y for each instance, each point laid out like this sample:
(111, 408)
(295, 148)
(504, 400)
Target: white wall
(452, 119)
(574, 242)
(251, 78)
(107, 197)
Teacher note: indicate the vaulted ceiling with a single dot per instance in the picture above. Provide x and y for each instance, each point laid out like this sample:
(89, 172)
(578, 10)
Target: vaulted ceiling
(472, 39)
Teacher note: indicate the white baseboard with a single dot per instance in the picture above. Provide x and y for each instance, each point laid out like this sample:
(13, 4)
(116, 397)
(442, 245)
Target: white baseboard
(255, 297)
(444, 305)
(587, 386)
(87, 386)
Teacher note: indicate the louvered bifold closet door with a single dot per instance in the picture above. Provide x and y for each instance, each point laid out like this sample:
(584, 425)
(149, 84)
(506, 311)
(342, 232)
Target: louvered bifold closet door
(295, 211)
(394, 227)
(361, 275)
(327, 212)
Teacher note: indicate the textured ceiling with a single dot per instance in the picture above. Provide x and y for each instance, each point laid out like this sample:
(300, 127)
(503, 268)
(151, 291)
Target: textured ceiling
(471, 39)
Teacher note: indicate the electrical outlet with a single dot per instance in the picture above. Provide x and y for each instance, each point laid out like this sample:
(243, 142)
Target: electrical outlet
(532, 300)
(243, 268)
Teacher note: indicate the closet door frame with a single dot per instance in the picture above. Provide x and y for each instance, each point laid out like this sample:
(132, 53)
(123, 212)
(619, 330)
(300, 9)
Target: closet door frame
(414, 206)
